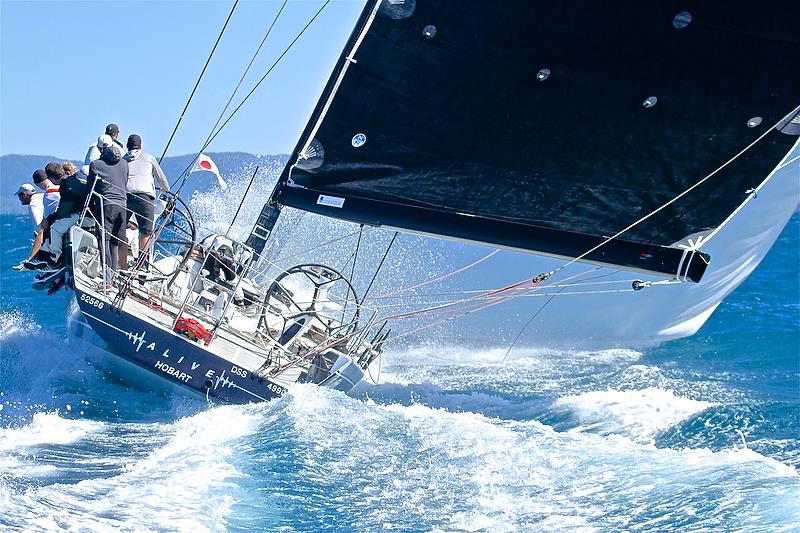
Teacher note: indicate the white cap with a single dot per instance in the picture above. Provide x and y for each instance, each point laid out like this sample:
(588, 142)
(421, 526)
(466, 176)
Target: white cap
(25, 188)
(104, 140)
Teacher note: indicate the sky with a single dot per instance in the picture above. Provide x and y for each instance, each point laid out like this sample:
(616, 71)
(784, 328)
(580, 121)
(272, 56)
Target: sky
(68, 68)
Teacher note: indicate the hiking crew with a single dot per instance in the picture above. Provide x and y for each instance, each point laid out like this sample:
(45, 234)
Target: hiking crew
(73, 196)
(51, 196)
(123, 183)
(27, 195)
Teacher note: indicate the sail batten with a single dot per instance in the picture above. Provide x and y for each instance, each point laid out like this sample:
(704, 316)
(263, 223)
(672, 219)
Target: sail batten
(501, 123)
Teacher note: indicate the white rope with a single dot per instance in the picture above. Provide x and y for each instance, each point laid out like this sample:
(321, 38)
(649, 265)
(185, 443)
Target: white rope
(681, 195)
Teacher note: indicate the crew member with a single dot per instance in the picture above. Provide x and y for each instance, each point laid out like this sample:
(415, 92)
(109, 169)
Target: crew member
(108, 176)
(52, 196)
(142, 168)
(70, 169)
(28, 196)
(41, 257)
(73, 197)
(93, 154)
(112, 130)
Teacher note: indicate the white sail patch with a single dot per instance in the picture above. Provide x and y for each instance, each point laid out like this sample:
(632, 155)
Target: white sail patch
(358, 140)
(330, 201)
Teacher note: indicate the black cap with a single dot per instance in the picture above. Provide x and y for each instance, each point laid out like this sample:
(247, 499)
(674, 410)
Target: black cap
(134, 142)
(111, 153)
(39, 176)
(111, 129)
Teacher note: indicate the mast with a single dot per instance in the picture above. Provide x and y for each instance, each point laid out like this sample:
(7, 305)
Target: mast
(271, 210)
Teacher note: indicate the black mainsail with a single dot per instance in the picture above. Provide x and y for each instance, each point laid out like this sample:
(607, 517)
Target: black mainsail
(550, 126)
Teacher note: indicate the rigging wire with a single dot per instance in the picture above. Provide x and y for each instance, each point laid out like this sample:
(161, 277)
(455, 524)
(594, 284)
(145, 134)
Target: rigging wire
(386, 253)
(213, 134)
(270, 70)
(484, 291)
(355, 253)
(467, 312)
(219, 37)
(442, 321)
(235, 90)
(246, 70)
(469, 304)
(241, 202)
(442, 304)
(354, 257)
(440, 278)
(533, 317)
(286, 50)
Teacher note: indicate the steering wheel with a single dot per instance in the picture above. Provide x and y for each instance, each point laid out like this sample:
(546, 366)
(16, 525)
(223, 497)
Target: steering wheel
(175, 229)
(325, 285)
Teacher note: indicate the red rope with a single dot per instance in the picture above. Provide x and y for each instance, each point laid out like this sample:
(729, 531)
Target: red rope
(440, 278)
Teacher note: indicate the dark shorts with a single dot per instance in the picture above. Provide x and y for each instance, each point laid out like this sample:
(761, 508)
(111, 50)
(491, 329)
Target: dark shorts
(141, 205)
(114, 222)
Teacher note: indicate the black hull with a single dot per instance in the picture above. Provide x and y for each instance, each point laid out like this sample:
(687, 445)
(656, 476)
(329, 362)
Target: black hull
(173, 357)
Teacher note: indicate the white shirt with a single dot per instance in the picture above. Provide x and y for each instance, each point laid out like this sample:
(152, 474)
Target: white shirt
(93, 154)
(51, 199)
(36, 210)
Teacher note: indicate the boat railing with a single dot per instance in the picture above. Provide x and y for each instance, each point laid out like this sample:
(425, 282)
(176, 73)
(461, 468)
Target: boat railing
(188, 301)
(195, 276)
(97, 201)
(95, 209)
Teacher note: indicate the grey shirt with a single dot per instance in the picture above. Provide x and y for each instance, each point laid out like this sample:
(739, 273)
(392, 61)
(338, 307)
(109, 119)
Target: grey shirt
(142, 168)
(111, 174)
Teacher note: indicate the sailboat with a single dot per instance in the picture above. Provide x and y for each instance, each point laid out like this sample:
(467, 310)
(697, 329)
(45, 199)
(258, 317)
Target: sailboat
(656, 141)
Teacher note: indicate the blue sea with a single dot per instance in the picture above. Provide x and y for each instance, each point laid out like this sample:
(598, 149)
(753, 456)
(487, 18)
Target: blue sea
(700, 434)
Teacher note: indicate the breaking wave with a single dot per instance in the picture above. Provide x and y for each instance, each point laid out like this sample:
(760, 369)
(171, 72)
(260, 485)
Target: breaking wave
(638, 414)
(320, 460)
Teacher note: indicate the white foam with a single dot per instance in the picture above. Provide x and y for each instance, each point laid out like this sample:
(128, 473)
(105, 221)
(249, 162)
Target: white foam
(408, 467)
(639, 414)
(16, 323)
(185, 484)
(47, 428)
(449, 354)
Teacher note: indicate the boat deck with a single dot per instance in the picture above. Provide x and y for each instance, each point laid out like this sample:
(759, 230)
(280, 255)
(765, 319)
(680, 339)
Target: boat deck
(241, 348)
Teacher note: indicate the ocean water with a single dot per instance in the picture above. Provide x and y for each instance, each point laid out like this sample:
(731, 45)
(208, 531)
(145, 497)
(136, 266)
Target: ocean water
(700, 434)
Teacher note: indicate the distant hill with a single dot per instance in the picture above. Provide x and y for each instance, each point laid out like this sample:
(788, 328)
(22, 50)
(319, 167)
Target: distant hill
(17, 169)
